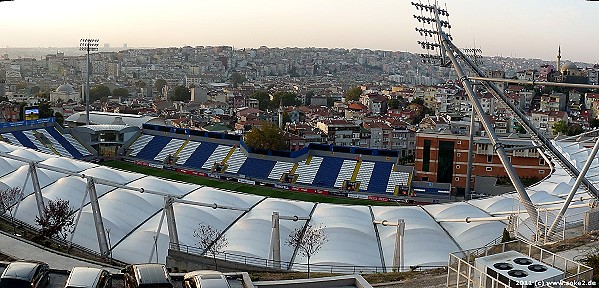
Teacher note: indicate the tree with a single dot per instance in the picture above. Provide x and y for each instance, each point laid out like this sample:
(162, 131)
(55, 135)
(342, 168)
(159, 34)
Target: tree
(120, 92)
(237, 79)
(35, 89)
(8, 197)
(308, 97)
(268, 136)
(591, 259)
(99, 92)
(418, 101)
(210, 240)
(181, 94)
(59, 118)
(353, 94)
(45, 110)
(159, 84)
(286, 98)
(560, 127)
(594, 123)
(307, 241)
(393, 103)
(263, 99)
(574, 129)
(58, 219)
(519, 128)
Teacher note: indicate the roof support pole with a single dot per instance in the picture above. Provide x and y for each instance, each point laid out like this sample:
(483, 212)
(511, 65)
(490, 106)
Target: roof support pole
(470, 155)
(100, 232)
(398, 253)
(21, 195)
(39, 199)
(275, 242)
(77, 218)
(156, 236)
(581, 176)
(171, 222)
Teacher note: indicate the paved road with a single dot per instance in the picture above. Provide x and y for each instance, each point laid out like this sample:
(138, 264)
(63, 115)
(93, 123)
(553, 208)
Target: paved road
(17, 248)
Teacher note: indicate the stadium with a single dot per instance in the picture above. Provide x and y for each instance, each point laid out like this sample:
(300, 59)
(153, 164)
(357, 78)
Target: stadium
(43, 156)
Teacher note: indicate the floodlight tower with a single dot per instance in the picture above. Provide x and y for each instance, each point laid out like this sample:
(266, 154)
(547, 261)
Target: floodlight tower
(87, 44)
(447, 54)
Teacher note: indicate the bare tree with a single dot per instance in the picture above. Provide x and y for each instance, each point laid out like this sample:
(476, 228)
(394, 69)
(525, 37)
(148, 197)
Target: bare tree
(308, 241)
(8, 197)
(209, 240)
(58, 219)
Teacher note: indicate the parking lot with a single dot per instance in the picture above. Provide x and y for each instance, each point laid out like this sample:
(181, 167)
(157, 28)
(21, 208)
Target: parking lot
(58, 280)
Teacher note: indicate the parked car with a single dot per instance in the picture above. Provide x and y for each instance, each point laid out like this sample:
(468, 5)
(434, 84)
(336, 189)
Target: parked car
(25, 274)
(146, 275)
(88, 277)
(205, 279)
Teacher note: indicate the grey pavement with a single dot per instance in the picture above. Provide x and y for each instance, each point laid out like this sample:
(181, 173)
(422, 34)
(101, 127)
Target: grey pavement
(21, 249)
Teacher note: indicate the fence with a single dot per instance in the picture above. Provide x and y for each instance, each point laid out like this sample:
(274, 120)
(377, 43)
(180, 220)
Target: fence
(294, 266)
(62, 242)
(462, 272)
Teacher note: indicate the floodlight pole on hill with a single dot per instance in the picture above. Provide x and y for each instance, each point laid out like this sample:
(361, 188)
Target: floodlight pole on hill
(87, 44)
(448, 52)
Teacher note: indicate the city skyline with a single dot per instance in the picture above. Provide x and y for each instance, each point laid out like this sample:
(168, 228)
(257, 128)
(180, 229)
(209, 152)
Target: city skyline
(531, 29)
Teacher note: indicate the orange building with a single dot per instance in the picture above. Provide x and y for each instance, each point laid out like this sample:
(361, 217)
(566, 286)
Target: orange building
(443, 157)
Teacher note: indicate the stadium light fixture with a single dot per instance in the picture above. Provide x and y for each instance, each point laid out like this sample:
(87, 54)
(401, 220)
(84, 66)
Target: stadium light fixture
(87, 44)
(431, 24)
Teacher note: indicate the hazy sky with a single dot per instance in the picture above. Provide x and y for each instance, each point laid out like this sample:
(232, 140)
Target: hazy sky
(531, 28)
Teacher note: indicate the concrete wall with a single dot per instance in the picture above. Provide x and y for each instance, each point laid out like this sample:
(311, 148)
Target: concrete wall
(325, 282)
(191, 262)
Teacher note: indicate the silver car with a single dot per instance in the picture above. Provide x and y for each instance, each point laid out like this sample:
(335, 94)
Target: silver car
(205, 279)
(86, 277)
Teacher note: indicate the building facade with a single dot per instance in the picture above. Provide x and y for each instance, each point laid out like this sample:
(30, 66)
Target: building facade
(443, 158)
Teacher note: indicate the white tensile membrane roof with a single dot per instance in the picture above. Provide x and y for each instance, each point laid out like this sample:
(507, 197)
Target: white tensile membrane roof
(353, 240)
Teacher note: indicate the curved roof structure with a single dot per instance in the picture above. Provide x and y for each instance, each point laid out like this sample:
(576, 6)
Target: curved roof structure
(66, 88)
(132, 218)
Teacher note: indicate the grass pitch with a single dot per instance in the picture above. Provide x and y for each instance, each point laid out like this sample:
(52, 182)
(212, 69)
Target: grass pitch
(245, 188)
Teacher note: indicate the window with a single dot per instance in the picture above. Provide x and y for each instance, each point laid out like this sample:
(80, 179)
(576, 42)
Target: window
(457, 179)
(459, 142)
(509, 158)
(541, 171)
(489, 158)
(542, 161)
(457, 166)
(426, 157)
(459, 154)
(489, 168)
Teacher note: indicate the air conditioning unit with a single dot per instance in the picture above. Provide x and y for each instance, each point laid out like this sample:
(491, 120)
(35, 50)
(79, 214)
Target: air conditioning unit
(515, 270)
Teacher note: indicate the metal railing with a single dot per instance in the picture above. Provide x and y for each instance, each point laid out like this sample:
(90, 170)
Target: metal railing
(295, 266)
(461, 269)
(62, 242)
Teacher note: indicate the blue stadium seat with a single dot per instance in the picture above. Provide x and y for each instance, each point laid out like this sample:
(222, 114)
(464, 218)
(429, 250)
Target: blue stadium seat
(200, 155)
(327, 174)
(256, 168)
(380, 177)
(64, 142)
(153, 148)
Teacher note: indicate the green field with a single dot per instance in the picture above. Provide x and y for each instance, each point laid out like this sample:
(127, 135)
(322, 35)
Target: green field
(250, 189)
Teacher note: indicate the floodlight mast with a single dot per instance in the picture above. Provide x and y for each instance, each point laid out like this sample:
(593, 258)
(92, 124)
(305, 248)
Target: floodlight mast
(87, 44)
(448, 50)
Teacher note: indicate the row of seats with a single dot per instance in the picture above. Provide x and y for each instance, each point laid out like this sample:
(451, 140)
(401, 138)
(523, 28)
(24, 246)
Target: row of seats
(322, 171)
(48, 140)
